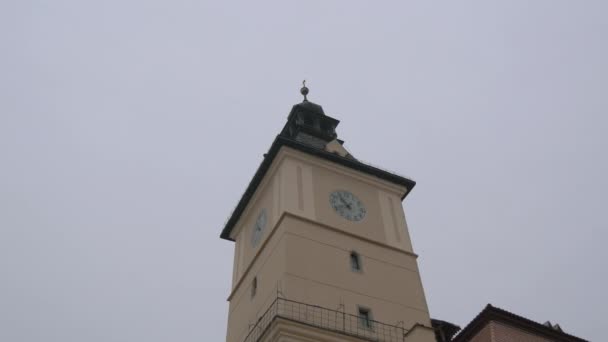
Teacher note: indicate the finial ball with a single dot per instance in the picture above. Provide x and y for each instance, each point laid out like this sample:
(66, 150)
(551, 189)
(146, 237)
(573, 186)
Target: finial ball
(304, 90)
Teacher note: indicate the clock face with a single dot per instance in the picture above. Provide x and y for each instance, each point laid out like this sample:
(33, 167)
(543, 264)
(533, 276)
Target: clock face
(347, 205)
(258, 228)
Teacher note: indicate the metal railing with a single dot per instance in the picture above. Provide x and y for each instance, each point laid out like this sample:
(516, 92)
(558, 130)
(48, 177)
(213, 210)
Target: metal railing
(328, 319)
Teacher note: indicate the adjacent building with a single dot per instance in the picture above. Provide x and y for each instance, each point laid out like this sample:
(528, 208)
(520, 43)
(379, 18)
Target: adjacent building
(497, 325)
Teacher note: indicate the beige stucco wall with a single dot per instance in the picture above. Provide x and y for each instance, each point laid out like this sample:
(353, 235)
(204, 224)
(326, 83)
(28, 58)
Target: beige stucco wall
(269, 269)
(304, 252)
(420, 333)
(269, 196)
(484, 335)
(289, 331)
(500, 332)
(506, 333)
(318, 272)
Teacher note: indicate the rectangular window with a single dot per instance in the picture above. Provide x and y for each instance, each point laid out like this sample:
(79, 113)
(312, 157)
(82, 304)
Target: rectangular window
(355, 262)
(254, 286)
(365, 318)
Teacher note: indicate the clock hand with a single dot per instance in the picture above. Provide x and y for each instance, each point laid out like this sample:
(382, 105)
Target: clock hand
(344, 201)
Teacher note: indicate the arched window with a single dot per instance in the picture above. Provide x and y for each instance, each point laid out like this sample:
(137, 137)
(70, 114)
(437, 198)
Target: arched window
(355, 262)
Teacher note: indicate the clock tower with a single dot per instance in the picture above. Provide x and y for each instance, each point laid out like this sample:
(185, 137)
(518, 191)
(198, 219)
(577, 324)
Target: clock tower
(322, 249)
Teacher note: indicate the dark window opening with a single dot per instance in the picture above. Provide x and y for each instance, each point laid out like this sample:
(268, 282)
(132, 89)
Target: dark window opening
(355, 262)
(365, 318)
(254, 286)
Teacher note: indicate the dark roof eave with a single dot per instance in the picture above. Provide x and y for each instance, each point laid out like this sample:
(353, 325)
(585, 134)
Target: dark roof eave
(269, 157)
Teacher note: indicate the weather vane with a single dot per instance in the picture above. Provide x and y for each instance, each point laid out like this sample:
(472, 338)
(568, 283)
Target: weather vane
(304, 90)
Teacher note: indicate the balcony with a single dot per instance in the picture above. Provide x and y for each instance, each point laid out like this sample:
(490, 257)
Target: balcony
(323, 318)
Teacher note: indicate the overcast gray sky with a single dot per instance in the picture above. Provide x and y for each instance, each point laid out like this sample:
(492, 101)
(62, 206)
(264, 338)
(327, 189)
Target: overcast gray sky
(129, 130)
